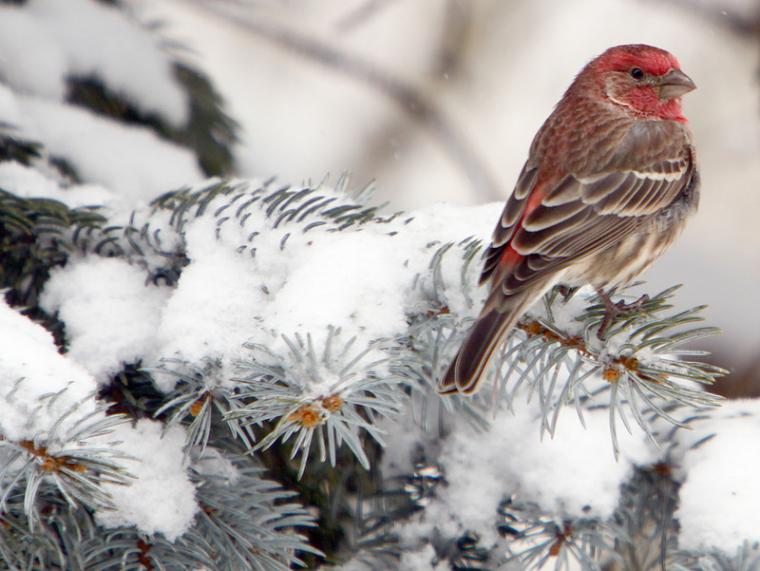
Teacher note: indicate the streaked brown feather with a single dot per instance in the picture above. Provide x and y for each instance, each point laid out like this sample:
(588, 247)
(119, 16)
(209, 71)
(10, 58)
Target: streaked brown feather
(546, 216)
(528, 242)
(467, 369)
(563, 192)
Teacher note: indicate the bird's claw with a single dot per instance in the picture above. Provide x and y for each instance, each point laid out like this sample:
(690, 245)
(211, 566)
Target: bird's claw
(566, 291)
(613, 310)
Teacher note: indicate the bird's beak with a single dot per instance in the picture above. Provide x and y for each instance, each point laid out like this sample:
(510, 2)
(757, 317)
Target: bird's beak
(674, 84)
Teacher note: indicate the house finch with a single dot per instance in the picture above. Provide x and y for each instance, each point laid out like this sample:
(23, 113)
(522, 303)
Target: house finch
(609, 182)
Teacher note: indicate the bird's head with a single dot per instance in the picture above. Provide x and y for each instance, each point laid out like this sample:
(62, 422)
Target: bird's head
(644, 80)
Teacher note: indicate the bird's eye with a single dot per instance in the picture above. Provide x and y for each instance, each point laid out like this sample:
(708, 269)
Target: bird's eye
(637, 74)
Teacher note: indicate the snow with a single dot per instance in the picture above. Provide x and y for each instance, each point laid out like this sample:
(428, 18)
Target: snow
(211, 313)
(571, 475)
(719, 495)
(129, 159)
(31, 183)
(422, 560)
(360, 293)
(226, 296)
(93, 39)
(236, 297)
(161, 498)
(46, 42)
(365, 281)
(42, 67)
(111, 315)
(30, 368)
(43, 44)
(123, 166)
(213, 463)
(10, 114)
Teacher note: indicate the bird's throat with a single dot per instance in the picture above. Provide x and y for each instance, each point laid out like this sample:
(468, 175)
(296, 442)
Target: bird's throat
(646, 104)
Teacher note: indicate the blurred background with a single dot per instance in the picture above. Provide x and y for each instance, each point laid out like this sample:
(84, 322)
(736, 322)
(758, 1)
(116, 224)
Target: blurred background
(438, 100)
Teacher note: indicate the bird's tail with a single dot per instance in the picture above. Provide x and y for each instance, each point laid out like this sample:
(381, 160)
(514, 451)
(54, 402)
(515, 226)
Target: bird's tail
(467, 370)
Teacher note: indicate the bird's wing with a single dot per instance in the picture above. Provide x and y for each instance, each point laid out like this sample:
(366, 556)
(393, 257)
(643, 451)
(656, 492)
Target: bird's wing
(544, 228)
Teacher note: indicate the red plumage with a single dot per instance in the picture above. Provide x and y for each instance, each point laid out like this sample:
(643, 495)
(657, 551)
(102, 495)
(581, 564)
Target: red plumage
(610, 179)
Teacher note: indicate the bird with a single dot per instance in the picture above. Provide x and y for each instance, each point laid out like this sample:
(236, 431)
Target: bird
(610, 180)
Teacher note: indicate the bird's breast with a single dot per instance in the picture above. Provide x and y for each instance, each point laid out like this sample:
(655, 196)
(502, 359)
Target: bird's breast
(624, 261)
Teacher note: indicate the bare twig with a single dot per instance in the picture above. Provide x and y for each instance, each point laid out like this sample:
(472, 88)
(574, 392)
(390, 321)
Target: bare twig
(445, 68)
(361, 14)
(723, 13)
(420, 107)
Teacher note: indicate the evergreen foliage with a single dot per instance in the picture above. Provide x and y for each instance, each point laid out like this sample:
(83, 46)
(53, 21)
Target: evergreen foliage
(209, 131)
(273, 405)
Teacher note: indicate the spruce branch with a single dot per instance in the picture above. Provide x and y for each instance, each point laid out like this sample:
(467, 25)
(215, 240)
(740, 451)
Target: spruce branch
(421, 360)
(126, 548)
(34, 238)
(746, 558)
(14, 147)
(302, 207)
(62, 457)
(159, 247)
(249, 522)
(54, 543)
(639, 370)
(131, 392)
(374, 538)
(245, 521)
(646, 531)
(537, 539)
(334, 394)
(209, 131)
(554, 357)
(202, 402)
(529, 536)
(315, 396)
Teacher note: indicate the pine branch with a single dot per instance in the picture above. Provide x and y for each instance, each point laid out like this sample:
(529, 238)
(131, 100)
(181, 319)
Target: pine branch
(537, 539)
(746, 558)
(14, 147)
(308, 398)
(202, 402)
(646, 537)
(331, 396)
(249, 521)
(34, 239)
(374, 540)
(63, 457)
(639, 370)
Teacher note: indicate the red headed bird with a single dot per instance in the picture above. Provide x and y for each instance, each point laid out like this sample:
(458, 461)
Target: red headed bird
(608, 185)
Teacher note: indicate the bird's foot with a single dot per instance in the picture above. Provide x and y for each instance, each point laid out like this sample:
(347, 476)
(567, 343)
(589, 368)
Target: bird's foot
(613, 310)
(566, 291)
